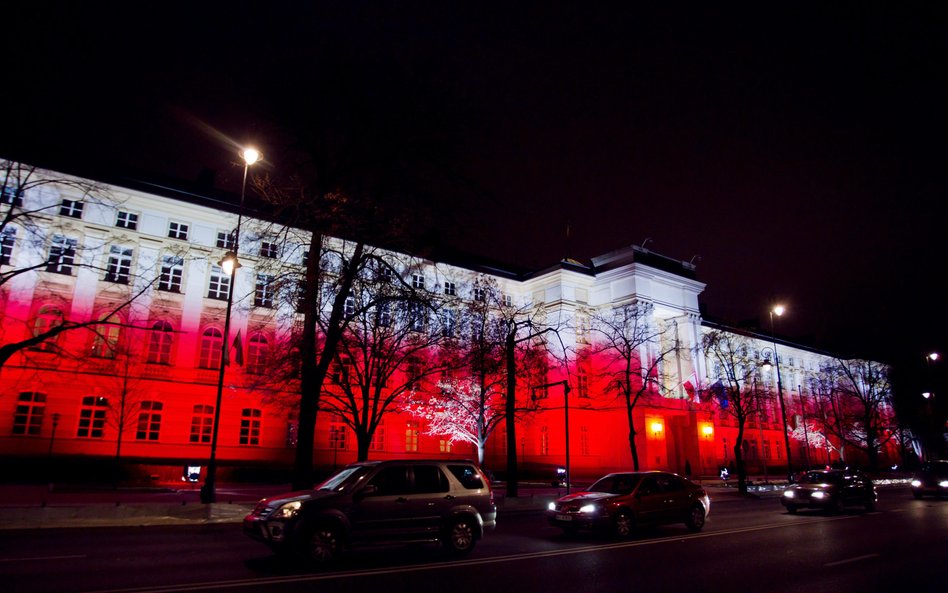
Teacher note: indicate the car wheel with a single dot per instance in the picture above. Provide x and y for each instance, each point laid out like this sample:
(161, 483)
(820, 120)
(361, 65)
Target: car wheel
(695, 519)
(792, 509)
(460, 536)
(624, 524)
(323, 544)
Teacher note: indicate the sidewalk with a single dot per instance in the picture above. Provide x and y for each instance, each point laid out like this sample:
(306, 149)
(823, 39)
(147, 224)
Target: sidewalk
(43, 507)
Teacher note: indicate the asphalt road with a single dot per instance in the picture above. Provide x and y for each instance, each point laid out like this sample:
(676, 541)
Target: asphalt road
(747, 545)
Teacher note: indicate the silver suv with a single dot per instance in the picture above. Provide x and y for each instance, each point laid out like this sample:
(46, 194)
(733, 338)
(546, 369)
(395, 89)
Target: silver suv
(380, 502)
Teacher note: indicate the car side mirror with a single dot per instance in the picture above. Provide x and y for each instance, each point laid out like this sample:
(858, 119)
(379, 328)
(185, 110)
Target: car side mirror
(368, 490)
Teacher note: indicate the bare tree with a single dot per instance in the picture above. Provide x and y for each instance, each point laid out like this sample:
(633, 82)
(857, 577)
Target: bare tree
(861, 405)
(735, 370)
(34, 239)
(632, 347)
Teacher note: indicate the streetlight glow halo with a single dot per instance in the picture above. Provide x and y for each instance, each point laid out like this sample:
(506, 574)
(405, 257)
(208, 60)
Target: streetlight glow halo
(250, 155)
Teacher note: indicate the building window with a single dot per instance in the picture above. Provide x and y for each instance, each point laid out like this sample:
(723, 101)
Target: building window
(7, 241)
(416, 317)
(257, 350)
(210, 356)
(349, 308)
(71, 208)
(119, 269)
(450, 289)
(105, 341)
(225, 240)
(219, 284)
(48, 318)
(417, 281)
(202, 423)
(444, 445)
(582, 382)
(160, 341)
(450, 320)
(126, 220)
(12, 196)
(263, 292)
(337, 434)
(149, 421)
(377, 442)
(508, 300)
(172, 270)
(385, 314)
(584, 440)
(28, 417)
(411, 437)
(480, 295)
(250, 426)
(269, 249)
(341, 370)
(544, 440)
(178, 230)
(92, 417)
(62, 255)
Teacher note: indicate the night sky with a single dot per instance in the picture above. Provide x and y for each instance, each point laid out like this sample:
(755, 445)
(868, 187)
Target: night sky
(794, 154)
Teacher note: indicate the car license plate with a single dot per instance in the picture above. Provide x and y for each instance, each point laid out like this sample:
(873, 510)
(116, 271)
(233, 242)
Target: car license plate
(564, 518)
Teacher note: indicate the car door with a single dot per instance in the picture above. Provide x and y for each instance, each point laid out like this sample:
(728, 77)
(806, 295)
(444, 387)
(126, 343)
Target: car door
(382, 510)
(649, 501)
(429, 501)
(676, 498)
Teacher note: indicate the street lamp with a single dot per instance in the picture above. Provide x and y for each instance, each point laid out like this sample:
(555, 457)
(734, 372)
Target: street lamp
(229, 264)
(779, 310)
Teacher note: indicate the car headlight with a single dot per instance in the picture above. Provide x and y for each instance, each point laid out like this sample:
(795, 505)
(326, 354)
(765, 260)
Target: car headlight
(589, 509)
(290, 509)
(788, 494)
(916, 483)
(551, 506)
(819, 494)
(943, 484)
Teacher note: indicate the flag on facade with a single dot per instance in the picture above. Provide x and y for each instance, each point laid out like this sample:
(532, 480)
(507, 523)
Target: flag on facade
(239, 350)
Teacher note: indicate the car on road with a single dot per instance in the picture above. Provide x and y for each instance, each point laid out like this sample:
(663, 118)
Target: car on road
(621, 502)
(830, 490)
(379, 503)
(932, 479)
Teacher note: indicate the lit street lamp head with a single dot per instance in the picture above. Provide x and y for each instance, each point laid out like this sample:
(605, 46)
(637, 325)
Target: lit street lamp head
(250, 155)
(229, 263)
(778, 310)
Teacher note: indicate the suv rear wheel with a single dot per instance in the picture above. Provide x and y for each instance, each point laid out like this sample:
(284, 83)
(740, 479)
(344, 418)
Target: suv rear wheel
(459, 537)
(695, 519)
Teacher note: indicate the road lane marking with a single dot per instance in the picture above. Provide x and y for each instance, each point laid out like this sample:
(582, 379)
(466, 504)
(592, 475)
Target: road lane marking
(34, 558)
(257, 582)
(850, 560)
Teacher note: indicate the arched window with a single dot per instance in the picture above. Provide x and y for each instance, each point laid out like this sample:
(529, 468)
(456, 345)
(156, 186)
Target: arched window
(106, 340)
(160, 341)
(210, 356)
(257, 354)
(48, 318)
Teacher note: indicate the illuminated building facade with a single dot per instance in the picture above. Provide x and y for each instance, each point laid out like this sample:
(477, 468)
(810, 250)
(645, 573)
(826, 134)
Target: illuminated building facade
(143, 389)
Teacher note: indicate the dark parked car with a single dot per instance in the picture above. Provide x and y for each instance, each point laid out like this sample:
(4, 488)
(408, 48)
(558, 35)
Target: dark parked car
(830, 489)
(932, 479)
(379, 502)
(620, 502)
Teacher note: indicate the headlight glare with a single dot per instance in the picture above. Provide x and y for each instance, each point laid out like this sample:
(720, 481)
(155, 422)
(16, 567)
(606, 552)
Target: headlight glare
(819, 495)
(589, 509)
(943, 484)
(916, 483)
(788, 493)
(290, 509)
(551, 506)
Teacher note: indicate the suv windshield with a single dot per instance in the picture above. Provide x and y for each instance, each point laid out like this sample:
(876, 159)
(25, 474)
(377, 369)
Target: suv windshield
(344, 478)
(819, 478)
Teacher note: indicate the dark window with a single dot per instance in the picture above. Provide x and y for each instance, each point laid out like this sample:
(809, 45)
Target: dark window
(28, 417)
(127, 220)
(468, 475)
(268, 249)
(429, 478)
(178, 230)
(12, 196)
(149, 421)
(92, 417)
(71, 208)
(392, 480)
(7, 241)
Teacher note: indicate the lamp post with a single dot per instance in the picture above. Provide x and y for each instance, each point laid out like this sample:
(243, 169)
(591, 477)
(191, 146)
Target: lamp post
(229, 264)
(778, 310)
